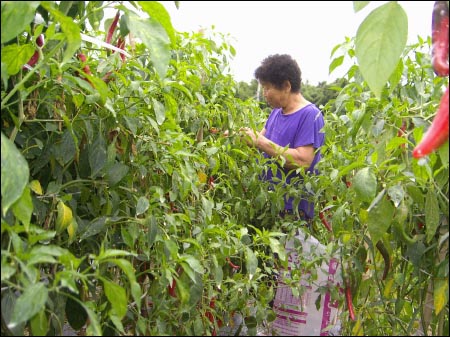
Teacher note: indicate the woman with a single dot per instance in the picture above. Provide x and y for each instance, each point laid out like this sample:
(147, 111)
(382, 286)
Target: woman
(292, 131)
(292, 137)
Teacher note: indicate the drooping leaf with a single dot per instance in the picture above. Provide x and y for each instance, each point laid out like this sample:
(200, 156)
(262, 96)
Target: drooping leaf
(23, 208)
(431, 214)
(15, 173)
(64, 217)
(154, 37)
(36, 187)
(117, 297)
(358, 5)
(251, 262)
(14, 57)
(16, 17)
(116, 173)
(440, 294)
(97, 155)
(365, 184)
(70, 29)
(160, 111)
(142, 205)
(380, 218)
(158, 12)
(380, 40)
(31, 302)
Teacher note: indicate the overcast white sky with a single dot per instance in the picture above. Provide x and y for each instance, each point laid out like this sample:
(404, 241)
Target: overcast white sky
(308, 30)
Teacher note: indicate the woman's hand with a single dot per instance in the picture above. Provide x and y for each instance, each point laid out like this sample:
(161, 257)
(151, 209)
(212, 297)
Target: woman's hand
(250, 136)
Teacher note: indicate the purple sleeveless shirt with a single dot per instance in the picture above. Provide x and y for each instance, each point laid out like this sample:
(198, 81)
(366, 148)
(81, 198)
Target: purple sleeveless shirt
(300, 128)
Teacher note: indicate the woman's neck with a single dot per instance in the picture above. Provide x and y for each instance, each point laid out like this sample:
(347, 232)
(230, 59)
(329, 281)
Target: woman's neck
(296, 102)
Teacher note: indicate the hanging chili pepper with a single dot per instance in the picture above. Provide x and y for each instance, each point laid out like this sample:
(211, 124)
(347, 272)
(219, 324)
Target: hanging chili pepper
(171, 288)
(232, 265)
(437, 134)
(121, 45)
(325, 221)
(83, 59)
(86, 68)
(112, 28)
(439, 38)
(402, 133)
(210, 316)
(385, 254)
(33, 60)
(348, 298)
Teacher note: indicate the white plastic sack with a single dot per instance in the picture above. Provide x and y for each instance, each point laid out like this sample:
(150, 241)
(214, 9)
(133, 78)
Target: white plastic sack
(299, 316)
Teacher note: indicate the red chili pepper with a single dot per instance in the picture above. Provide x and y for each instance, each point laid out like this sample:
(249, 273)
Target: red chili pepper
(437, 134)
(121, 45)
(211, 182)
(348, 298)
(325, 221)
(40, 40)
(86, 67)
(40, 43)
(232, 265)
(83, 59)
(171, 288)
(33, 60)
(210, 316)
(402, 132)
(112, 28)
(439, 38)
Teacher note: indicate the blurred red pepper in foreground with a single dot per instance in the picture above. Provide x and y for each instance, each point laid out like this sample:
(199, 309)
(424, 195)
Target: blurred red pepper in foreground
(439, 38)
(437, 134)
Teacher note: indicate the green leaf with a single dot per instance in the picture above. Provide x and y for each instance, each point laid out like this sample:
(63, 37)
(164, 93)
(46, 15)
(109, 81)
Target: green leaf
(75, 312)
(440, 294)
(70, 29)
(109, 253)
(365, 184)
(94, 227)
(31, 302)
(380, 41)
(39, 324)
(117, 297)
(155, 37)
(160, 111)
(396, 193)
(251, 262)
(15, 173)
(128, 269)
(194, 264)
(9, 300)
(158, 12)
(23, 208)
(142, 205)
(16, 17)
(97, 155)
(379, 219)
(277, 248)
(64, 218)
(358, 5)
(14, 57)
(335, 63)
(431, 214)
(116, 173)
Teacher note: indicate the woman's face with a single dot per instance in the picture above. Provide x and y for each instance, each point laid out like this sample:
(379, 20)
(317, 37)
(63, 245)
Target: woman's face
(274, 97)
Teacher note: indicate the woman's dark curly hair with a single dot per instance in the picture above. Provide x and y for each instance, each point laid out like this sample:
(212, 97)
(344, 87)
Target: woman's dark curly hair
(276, 69)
